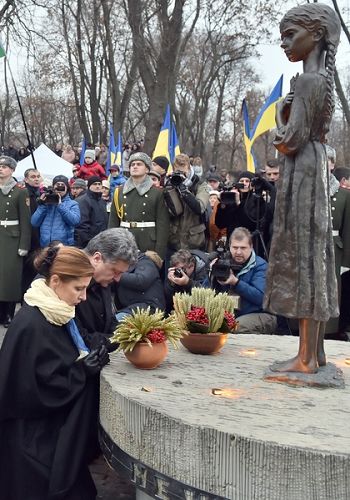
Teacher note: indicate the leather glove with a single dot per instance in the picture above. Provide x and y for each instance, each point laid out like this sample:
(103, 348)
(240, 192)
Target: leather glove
(182, 189)
(103, 356)
(95, 361)
(22, 253)
(111, 346)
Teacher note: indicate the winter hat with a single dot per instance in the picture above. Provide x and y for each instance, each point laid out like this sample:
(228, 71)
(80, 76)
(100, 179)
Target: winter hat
(141, 157)
(61, 178)
(79, 183)
(214, 177)
(156, 174)
(106, 184)
(245, 173)
(162, 161)
(214, 192)
(8, 162)
(90, 153)
(93, 179)
(114, 167)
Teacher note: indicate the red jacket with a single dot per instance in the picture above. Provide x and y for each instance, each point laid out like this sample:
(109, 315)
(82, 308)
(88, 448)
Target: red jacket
(87, 171)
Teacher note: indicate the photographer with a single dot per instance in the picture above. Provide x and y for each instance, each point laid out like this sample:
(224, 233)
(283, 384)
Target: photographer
(244, 204)
(187, 269)
(186, 197)
(243, 273)
(57, 214)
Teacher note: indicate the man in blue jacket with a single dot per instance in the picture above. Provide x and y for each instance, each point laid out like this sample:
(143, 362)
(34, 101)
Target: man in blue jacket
(57, 214)
(248, 282)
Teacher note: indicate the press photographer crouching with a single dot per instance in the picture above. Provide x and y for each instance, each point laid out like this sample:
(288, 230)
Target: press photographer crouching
(186, 197)
(241, 272)
(187, 269)
(247, 203)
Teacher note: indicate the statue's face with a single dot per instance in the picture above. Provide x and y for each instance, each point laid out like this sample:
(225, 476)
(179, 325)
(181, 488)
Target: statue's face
(297, 42)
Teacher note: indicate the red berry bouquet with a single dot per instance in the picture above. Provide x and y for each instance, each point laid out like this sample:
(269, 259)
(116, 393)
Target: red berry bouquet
(204, 311)
(143, 326)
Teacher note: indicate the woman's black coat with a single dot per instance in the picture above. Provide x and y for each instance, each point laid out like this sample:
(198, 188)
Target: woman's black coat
(45, 409)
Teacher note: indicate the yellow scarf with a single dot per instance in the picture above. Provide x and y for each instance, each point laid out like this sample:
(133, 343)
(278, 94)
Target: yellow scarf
(55, 310)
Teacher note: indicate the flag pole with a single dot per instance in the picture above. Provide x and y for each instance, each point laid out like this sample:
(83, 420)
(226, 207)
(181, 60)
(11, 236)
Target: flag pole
(22, 115)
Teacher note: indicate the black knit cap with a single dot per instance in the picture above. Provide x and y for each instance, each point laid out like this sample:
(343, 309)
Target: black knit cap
(93, 179)
(162, 161)
(247, 174)
(61, 178)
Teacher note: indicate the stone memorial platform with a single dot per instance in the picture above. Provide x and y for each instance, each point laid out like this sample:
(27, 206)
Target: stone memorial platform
(205, 427)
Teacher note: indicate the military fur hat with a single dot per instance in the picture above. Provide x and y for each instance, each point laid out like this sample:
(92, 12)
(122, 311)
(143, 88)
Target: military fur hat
(141, 157)
(8, 162)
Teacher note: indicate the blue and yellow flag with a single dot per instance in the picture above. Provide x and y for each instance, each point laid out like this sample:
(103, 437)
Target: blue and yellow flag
(118, 153)
(266, 118)
(111, 149)
(163, 141)
(247, 140)
(82, 153)
(167, 142)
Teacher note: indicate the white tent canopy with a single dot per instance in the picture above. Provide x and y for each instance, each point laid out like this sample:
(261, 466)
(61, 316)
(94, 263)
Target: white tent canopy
(47, 162)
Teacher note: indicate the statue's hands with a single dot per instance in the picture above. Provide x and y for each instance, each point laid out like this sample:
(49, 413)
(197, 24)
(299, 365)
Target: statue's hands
(283, 109)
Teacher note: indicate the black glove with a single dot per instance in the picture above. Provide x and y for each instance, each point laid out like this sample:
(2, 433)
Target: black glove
(95, 361)
(103, 356)
(111, 346)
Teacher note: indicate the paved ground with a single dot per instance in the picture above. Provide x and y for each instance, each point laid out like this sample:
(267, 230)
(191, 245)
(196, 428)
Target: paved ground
(110, 484)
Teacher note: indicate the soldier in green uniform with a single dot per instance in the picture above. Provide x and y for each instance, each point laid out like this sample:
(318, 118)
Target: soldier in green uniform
(15, 235)
(139, 207)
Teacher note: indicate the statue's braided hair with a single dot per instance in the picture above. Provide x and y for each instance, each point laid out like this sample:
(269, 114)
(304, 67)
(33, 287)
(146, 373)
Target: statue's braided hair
(313, 16)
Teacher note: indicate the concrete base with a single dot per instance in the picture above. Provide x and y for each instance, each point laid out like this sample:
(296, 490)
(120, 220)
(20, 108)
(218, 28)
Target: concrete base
(212, 424)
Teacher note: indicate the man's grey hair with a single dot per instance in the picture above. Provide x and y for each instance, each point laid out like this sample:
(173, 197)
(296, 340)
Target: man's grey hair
(114, 244)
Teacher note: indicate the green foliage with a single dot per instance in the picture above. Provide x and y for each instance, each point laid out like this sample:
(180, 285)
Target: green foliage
(215, 305)
(134, 328)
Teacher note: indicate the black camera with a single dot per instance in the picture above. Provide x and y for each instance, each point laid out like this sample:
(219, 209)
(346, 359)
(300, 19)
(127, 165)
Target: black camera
(259, 184)
(176, 178)
(51, 197)
(178, 273)
(222, 267)
(227, 196)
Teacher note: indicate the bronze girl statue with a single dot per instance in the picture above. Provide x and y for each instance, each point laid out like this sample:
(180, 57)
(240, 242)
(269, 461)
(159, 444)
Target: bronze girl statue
(301, 277)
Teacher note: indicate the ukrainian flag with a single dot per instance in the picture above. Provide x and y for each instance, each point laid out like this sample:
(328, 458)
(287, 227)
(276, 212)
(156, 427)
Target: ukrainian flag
(111, 149)
(246, 136)
(266, 119)
(163, 142)
(118, 153)
(82, 153)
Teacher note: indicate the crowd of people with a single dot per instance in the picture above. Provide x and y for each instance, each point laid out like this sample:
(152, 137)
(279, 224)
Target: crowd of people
(86, 251)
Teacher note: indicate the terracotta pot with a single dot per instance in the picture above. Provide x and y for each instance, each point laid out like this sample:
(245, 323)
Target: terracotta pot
(204, 343)
(147, 357)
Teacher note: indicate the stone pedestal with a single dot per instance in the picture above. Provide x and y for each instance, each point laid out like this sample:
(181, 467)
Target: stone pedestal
(210, 427)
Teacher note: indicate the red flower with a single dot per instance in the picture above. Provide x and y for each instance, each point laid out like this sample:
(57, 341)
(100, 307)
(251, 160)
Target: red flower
(156, 336)
(230, 321)
(197, 315)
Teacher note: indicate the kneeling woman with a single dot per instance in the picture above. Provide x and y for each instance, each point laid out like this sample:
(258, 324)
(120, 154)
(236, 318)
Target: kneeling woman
(47, 386)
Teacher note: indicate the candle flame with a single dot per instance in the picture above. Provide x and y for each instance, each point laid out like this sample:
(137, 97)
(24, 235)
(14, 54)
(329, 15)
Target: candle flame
(227, 392)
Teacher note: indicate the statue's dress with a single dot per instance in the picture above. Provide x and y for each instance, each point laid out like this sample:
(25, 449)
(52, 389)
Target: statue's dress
(301, 279)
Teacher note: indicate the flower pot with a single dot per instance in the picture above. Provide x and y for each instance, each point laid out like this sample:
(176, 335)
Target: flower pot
(147, 357)
(204, 343)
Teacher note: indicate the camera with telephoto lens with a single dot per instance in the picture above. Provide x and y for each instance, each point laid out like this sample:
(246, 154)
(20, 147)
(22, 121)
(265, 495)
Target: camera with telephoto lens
(227, 196)
(178, 273)
(176, 178)
(222, 267)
